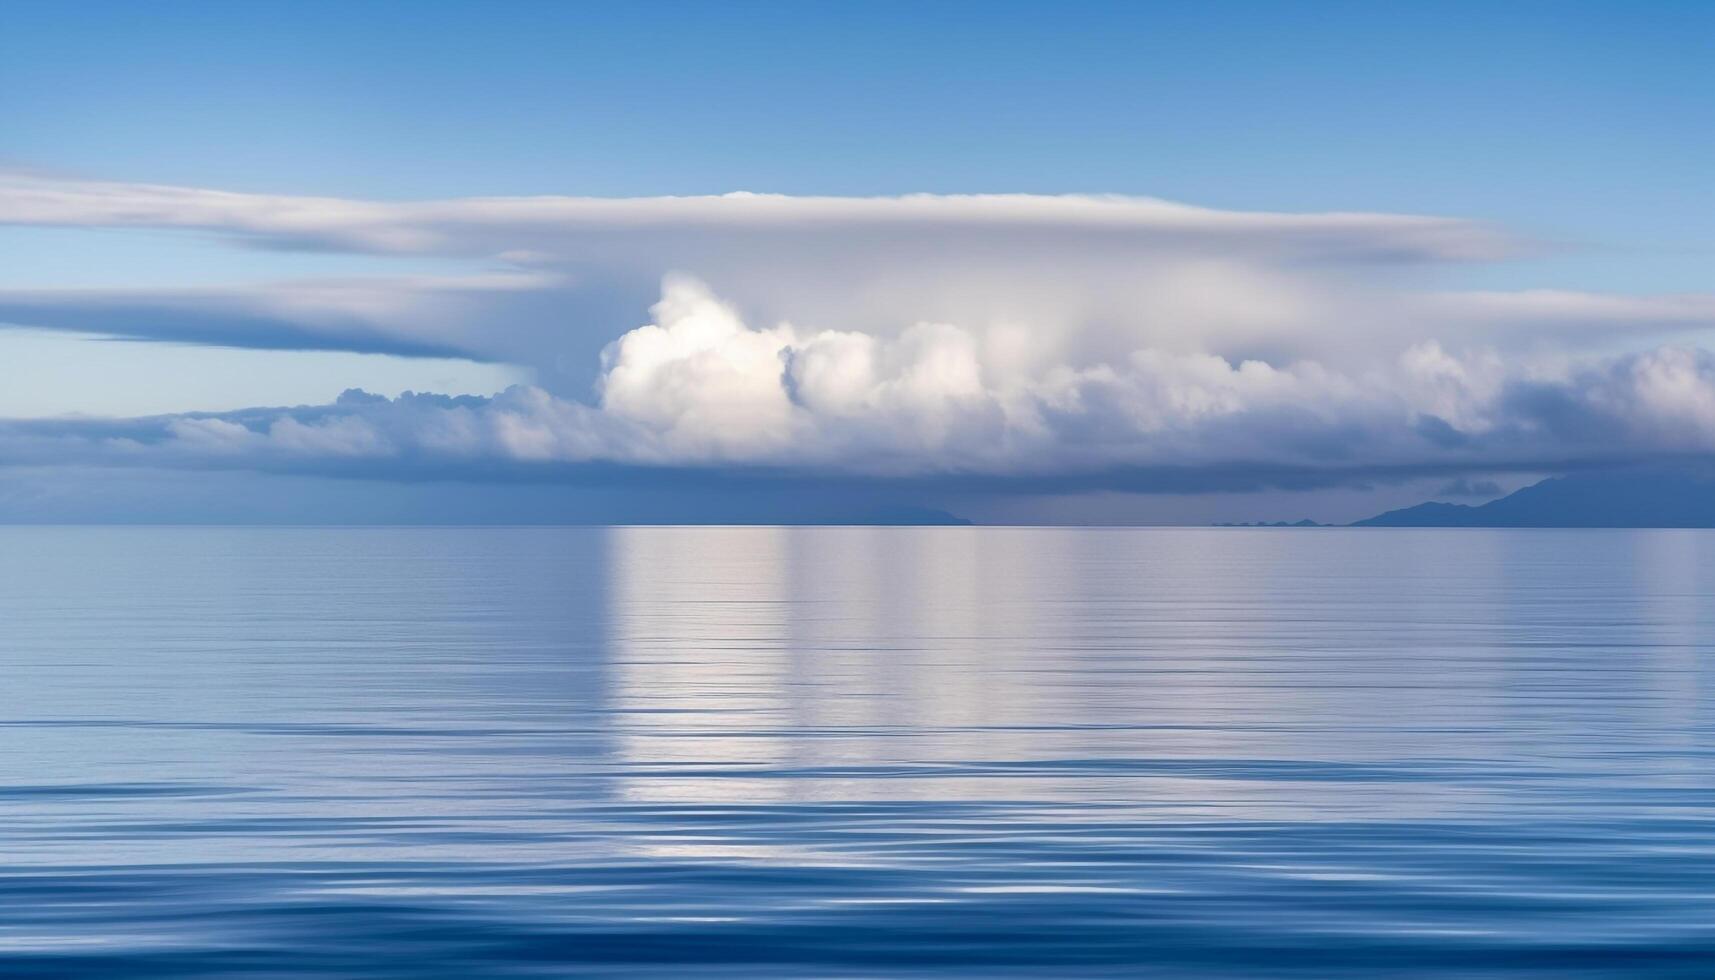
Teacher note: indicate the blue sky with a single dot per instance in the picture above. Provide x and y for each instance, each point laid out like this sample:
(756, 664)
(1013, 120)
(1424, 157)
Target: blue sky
(1590, 122)
(1583, 131)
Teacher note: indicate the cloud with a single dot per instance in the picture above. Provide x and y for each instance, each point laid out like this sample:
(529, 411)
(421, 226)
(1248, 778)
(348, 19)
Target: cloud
(568, 226)
(1080, 278)
(1088, 276)
(422, 316)
(1019, 341)
(701, 389)
(1568, 315)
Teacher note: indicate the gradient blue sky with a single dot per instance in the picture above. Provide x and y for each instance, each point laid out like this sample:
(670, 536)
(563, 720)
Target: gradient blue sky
(1587, 129)
(1587, 122)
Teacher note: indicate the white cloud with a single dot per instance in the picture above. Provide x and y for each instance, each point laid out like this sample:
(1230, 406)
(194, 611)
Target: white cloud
(1044, 279)
(567, 225)
(701, 380)
(699, 386)
(1085, 276)
(1012, 337)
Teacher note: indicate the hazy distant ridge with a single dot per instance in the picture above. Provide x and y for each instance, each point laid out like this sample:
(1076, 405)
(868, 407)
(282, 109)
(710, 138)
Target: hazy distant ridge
(1645, 497)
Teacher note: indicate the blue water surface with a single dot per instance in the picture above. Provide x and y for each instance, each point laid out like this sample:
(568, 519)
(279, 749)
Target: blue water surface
(856, 752)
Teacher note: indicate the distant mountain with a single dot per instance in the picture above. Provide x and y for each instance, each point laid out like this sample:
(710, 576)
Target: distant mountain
(1660, 496)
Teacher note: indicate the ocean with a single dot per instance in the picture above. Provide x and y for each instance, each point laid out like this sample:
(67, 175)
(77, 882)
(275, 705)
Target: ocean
(856, 752)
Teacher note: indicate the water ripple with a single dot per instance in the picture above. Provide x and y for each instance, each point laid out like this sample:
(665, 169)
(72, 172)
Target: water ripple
(856, 752)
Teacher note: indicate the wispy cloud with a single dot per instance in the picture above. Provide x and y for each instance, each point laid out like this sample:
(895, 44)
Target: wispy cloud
(566, 225)
(423, 316)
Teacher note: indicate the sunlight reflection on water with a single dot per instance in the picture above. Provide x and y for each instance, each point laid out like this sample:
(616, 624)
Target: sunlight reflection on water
(856, 751)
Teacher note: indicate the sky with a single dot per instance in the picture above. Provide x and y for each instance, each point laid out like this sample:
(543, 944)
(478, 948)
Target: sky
(1079, 263)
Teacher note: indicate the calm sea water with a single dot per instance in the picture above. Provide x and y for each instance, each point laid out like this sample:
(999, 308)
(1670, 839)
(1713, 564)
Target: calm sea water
(857, 752)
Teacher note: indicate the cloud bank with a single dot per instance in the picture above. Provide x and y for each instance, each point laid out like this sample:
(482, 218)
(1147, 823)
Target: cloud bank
(700, 388)
(1009, 341)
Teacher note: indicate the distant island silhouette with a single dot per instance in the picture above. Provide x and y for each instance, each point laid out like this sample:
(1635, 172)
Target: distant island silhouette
(1652, 496)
